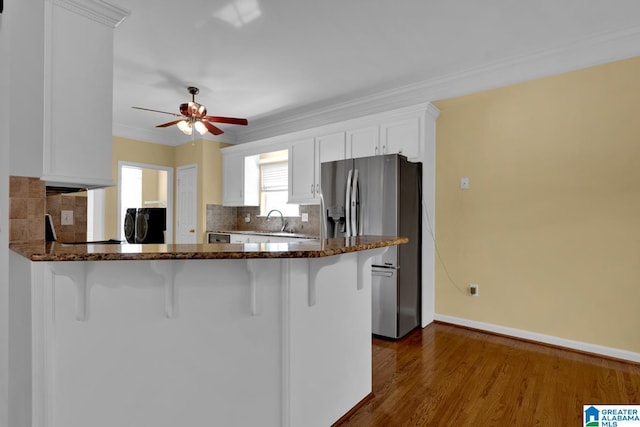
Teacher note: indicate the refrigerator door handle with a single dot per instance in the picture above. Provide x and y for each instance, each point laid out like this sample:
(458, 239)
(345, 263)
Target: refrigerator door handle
(323, 222)
(347, 203)
(354, 204)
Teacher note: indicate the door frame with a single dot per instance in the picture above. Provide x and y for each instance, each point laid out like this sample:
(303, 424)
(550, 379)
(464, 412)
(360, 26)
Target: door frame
(169, 170)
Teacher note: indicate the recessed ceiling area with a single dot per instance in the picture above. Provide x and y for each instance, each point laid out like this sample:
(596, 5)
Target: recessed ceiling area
(272, 60)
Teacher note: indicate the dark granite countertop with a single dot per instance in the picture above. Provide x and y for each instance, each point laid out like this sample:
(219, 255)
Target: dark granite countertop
(40, 251)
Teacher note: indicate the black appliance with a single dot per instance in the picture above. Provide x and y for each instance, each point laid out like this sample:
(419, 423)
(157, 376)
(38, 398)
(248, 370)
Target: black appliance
(130, 225)
(145, 225)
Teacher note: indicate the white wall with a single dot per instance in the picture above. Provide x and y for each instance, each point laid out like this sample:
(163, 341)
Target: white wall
(4, 212)
(21, 89)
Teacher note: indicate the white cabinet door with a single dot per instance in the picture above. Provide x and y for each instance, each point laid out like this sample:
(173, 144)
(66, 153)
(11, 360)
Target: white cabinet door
(401, 136)
(78, 99)
(363, 142)
(302, 182)
(232, 179)
(329, 148)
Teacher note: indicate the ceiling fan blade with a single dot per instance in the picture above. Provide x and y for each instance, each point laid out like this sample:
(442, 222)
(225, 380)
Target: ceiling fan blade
(211, 128)
(164, 125)
(157, 111)
(230, 120)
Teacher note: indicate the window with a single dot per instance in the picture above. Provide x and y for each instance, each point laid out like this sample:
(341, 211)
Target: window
(274, 172)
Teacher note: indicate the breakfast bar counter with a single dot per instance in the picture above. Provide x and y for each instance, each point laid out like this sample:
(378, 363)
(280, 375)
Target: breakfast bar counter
(54, 251)
(269, 334)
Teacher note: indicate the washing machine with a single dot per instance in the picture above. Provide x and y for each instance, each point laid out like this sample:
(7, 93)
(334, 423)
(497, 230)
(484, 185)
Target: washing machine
(130, 225)
(151, 224)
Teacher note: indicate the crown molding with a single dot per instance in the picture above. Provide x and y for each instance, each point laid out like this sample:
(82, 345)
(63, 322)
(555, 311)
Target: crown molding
(586, 52)
(96, 10)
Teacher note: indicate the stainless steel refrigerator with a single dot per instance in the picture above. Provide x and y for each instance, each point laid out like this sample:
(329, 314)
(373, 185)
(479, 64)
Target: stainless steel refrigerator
(380, 195)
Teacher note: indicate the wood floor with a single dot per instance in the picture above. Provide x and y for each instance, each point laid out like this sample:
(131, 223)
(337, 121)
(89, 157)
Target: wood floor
(444, 375)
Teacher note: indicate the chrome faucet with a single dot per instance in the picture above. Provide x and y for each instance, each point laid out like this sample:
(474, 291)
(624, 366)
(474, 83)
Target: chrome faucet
(284, 223)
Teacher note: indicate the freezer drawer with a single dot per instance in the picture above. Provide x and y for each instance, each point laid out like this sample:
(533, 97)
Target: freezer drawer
(384, 309)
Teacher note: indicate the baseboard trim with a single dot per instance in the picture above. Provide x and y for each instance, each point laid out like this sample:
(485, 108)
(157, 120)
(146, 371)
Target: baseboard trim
(542, 338)
(355, 409)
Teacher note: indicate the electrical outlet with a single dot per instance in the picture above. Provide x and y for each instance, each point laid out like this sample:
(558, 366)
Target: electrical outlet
(474, 290)
(247, 218)
(464, 183)
(305, 217)
(66, 218)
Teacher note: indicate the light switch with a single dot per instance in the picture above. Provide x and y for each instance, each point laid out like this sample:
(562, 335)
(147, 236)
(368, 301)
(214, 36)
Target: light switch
(66, 218)
(305, 217)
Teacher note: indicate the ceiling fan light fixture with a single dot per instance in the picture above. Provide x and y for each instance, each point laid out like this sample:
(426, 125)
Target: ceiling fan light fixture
(185, 127)
(200, 127)
(193, 114)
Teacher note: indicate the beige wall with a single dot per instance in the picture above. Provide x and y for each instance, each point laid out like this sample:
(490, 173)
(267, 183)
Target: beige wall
(550, 227)
(136, 152)
(154, 188)
(206, 154)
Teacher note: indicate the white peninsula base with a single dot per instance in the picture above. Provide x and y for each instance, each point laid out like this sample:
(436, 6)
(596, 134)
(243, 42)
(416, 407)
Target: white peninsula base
(239, 342)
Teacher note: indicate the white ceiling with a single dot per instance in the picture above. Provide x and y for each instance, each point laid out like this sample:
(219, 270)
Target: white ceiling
(274, 60)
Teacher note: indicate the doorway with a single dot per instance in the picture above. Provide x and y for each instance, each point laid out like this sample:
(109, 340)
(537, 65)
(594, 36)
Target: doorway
(144, 186)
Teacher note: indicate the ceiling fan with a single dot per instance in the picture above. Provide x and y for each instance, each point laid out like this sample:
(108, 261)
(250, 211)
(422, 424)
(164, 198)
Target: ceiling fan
(194, 116)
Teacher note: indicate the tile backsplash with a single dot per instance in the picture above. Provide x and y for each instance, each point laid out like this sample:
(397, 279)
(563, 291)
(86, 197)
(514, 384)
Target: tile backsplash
(75, 202)
(28, 203)
(26, 209)
(222, 218)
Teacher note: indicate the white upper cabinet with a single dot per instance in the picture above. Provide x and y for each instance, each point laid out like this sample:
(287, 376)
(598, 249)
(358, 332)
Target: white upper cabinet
(240, 180)
(402, 136)
(404, 131)
(62, 77)
(305, 157)
(302, 171)
(363, 142)
(78, 93)
(233, 179)
(330, 147)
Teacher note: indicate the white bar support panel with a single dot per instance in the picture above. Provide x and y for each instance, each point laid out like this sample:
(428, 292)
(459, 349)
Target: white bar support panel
(77, 272)
(167, 269)
(314, 266)
(256, 290)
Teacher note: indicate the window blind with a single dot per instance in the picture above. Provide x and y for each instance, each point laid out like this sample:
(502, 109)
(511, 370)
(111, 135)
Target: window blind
(275, 176)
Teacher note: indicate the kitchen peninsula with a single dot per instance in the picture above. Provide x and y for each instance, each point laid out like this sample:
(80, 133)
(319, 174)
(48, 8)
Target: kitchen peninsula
(269, 334)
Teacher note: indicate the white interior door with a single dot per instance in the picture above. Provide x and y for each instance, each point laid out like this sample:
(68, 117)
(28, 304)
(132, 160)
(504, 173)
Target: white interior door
(187, 204)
